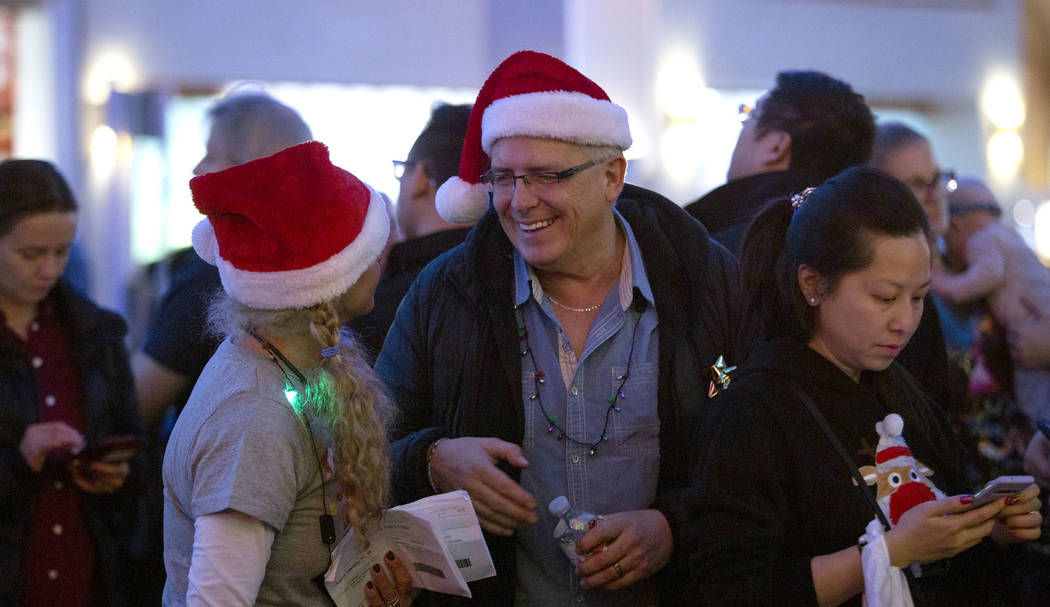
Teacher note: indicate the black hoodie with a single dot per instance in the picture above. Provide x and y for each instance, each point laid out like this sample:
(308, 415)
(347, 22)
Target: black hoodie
(773, 493)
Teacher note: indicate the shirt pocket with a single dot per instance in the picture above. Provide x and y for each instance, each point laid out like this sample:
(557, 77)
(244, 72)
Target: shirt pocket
(636, 426)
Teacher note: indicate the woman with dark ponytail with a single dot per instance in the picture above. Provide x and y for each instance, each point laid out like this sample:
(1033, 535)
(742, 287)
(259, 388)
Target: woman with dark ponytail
(821, 439)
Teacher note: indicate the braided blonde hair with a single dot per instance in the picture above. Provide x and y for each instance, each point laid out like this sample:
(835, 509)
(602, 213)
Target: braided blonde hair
(342, 391)
(348, 396)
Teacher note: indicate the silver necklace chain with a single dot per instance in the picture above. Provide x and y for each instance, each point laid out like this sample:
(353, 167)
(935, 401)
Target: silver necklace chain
(570, 308)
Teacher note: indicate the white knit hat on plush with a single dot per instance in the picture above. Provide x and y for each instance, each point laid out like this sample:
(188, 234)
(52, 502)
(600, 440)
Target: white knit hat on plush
(903, 480)
(289, 230)
(534, 95)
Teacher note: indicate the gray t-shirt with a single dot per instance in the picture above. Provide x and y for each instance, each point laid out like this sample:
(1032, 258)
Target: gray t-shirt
(239, 445)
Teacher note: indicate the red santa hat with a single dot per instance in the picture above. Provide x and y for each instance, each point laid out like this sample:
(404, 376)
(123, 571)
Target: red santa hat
(289, 230)
(535, 95)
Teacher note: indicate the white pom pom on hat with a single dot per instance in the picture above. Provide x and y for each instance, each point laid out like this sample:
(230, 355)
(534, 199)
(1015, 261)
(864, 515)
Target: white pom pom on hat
(892, 450)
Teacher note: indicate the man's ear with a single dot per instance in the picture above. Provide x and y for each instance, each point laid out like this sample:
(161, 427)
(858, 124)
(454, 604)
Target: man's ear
(811, 284)
(419, 180)
(774, 149)
(615, 170)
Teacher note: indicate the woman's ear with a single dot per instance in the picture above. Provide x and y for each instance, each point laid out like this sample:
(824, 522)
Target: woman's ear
(811, 284)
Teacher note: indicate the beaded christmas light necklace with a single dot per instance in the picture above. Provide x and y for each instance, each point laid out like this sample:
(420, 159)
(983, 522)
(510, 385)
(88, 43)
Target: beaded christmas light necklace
(539, 379)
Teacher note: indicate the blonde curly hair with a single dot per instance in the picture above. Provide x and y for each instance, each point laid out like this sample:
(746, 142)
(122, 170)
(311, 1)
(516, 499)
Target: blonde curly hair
(341, 390)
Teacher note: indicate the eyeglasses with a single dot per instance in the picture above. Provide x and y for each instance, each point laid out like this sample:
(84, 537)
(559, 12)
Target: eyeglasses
(943, 179)
(403, 166)
(744, 111)
(501, 185)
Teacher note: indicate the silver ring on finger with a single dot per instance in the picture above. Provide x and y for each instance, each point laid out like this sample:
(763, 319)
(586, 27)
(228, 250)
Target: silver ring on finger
(395, 602)
(618, 568)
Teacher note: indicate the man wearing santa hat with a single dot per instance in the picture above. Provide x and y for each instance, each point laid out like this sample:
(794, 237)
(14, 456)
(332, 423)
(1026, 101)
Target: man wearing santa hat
(563, 349)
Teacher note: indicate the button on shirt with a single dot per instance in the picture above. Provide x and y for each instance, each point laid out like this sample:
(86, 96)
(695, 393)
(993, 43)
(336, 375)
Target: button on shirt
(622, 475)
(58, 561)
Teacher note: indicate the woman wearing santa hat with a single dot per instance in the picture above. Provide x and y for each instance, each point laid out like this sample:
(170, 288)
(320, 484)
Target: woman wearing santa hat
(820, 411)
(282, 443)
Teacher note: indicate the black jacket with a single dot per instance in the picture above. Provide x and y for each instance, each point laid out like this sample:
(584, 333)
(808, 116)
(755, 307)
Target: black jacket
(110, 409)
(406, 260)
(773, 493)
(727, 210)
(451, 358)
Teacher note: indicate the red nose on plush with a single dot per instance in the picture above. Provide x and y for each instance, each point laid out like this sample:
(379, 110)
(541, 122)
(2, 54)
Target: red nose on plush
(908, 496)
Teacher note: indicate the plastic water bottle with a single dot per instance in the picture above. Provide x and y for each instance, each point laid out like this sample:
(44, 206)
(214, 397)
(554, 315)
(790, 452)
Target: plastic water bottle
(571, 526)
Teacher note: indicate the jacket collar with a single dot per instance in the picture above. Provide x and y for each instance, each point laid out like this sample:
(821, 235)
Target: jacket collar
(742, 199)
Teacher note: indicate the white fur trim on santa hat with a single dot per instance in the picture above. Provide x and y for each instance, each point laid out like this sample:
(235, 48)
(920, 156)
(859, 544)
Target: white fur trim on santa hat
(307, 286)
(203, 239)
(562, 115)
(461, 202)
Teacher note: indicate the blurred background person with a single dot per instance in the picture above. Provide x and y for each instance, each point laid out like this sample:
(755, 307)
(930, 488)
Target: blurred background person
(994, 265)
(244, 127)
(906, 154)
(287, 423)
(433, 159)
(65, 383)
(989, 265)
(801, 132)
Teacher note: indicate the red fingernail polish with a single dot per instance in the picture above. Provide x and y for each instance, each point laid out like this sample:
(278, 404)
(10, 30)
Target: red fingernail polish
(1010, 501)
(376, 568)
(370, 585)
(966, 499)
(389, 555)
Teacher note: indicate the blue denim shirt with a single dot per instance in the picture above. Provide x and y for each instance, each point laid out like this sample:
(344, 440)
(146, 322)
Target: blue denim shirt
(622, 475)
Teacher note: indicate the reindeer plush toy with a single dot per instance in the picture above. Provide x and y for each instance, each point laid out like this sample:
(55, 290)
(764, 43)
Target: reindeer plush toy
(903, 481)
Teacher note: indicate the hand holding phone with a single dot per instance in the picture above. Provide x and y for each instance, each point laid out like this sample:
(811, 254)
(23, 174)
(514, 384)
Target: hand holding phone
(112, 450)
(999, 488)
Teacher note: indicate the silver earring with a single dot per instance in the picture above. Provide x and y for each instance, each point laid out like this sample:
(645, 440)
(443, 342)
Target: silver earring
(813, 300)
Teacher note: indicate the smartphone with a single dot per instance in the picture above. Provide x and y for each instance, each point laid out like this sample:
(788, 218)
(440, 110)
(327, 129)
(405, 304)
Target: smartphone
(1001, 487)
(112, 449)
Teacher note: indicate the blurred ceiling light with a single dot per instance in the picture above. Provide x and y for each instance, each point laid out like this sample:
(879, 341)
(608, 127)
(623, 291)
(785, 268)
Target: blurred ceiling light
(1005, 151)
(1042, 230)
(103, 148)
(679, 86)
(678, 152)
(110, 70)
(1024, 213)
(1002, 102)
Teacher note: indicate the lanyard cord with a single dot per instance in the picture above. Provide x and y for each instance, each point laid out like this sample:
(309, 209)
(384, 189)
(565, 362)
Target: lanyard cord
(326, 521)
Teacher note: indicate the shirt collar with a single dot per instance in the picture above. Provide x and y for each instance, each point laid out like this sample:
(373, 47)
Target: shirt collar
(632, 273)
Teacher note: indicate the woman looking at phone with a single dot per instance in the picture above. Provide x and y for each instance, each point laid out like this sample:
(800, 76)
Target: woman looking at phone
(837, 276)
(281, 448)
(65, 383)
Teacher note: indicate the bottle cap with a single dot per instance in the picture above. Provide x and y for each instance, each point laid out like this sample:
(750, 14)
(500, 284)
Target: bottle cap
(559, 506)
